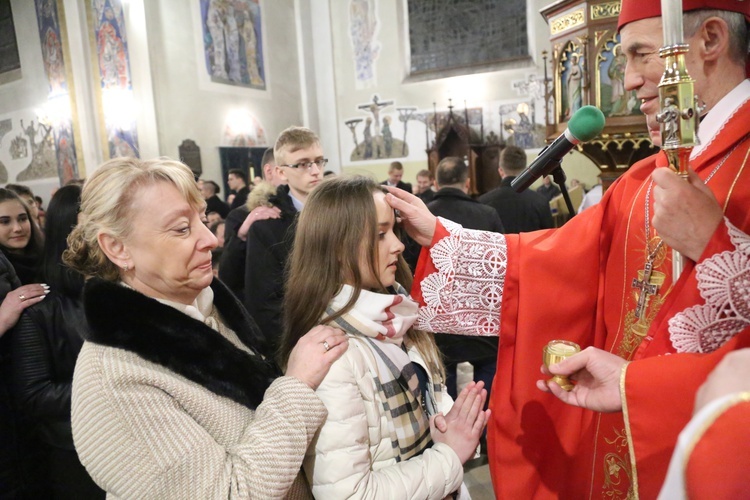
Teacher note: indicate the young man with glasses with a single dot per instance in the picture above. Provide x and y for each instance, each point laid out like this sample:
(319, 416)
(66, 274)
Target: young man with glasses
(299, 163)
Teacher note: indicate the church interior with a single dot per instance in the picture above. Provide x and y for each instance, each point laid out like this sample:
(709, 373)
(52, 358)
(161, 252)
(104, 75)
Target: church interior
(213, 82)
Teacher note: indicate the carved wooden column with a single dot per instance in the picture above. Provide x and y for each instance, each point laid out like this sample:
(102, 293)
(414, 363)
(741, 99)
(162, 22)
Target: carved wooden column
(588, 68)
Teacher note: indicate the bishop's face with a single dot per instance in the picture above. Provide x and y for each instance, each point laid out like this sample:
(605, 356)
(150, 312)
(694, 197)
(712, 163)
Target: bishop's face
(641, 41)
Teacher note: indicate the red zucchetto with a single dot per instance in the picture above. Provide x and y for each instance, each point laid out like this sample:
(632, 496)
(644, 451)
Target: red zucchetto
(635, 10)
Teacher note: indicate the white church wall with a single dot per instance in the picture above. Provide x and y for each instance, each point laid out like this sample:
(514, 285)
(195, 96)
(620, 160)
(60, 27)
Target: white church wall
(189, 105)
(385, 43)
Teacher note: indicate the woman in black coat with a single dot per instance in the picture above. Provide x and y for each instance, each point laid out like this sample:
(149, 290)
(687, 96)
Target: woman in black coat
(45, 346)
(14, 298)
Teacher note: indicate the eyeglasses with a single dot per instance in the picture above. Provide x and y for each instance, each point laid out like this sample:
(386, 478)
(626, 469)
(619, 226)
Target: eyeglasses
(305, 165)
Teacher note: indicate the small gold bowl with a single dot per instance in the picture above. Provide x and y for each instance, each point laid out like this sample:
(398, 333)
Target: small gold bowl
(556, 351)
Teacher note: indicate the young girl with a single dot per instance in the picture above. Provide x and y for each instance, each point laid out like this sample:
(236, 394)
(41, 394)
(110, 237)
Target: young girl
(346, 270)
(20, 239)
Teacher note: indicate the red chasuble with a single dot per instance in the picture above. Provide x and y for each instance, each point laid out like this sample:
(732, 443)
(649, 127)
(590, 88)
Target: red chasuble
(717, 467)
(575, 283)
(658, 401)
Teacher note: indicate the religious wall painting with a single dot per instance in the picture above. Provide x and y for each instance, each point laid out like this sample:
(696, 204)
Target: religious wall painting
(19, 148)
(363, 35)
(113, 76)
(611, 96)
(233, 42)
(59, 100)
(5, 127)
(43, 163)
(523, 123)
(242, 129)
(27, 151)
(50, 37)
(376, 134)
(572, 73)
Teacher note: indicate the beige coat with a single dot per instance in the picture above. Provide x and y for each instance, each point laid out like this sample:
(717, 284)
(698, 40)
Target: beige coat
(144, 430)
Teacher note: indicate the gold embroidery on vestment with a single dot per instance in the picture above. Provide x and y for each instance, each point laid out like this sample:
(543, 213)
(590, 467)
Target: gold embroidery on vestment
(617, 472)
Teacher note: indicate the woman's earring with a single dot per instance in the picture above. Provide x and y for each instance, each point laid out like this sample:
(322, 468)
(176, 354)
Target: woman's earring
(125, 268)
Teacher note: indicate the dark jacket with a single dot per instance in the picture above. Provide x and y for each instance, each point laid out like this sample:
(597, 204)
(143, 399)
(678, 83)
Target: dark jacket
(268, 245)
(520, 212)
(455, 205)
(427, 196)
(45, 345)
(232, 262)
(401, 185)
(10, 473)
(240, 198)
(26, 267)
(548, 192)
(214, 204)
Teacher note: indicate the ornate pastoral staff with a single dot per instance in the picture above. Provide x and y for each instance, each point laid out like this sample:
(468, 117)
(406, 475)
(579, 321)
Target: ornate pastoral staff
(678, 117)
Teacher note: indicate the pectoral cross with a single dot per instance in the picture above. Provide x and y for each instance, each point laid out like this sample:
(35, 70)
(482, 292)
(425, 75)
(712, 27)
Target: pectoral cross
(646, 287)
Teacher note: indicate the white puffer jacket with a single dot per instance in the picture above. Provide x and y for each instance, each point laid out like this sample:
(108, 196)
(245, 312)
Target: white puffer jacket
(352, 456)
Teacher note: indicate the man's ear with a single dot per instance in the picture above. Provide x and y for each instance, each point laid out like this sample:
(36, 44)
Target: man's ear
(280, 173)
(115, 250)
(713, 39)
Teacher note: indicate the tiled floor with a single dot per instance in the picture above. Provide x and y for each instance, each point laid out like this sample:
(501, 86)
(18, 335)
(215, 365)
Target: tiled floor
(476, 472)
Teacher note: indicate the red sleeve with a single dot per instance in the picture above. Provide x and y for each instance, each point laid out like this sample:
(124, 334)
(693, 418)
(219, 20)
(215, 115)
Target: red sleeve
(719, 242)
(710, 472)
(658, 400)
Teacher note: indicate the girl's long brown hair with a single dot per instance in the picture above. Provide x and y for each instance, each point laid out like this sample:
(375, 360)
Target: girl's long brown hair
(338, 225)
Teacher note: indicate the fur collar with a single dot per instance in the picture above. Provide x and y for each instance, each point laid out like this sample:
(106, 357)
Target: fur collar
(260, 196)
(126, 319)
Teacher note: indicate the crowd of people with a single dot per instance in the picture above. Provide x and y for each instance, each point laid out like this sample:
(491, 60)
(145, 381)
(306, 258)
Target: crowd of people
(300, 338)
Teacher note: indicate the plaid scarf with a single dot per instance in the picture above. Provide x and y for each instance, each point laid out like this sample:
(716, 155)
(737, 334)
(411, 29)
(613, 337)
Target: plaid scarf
(381, 321)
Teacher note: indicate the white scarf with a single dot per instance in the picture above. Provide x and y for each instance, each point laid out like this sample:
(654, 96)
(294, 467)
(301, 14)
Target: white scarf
(378, 315)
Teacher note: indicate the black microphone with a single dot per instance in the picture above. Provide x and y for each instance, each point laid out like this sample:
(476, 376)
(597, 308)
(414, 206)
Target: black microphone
(584, 125)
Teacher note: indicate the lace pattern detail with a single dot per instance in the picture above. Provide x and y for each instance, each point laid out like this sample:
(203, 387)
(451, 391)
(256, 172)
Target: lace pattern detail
(724, 284)
(465, 295)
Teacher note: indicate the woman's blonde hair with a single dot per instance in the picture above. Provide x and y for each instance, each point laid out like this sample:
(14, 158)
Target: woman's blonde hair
(108, 205)
(338, 224)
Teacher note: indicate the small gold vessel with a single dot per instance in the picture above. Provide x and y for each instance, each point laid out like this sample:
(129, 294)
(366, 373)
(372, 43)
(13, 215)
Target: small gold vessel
(556, 351)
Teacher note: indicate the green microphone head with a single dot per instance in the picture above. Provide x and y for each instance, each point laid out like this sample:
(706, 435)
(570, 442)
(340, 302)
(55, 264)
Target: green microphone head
(586, 123)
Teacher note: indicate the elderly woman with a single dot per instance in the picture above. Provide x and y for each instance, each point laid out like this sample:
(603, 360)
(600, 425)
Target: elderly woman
(170, 398)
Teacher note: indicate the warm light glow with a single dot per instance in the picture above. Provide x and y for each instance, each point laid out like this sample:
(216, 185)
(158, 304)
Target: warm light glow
(239, 122)
(119, 108)
(55, 111)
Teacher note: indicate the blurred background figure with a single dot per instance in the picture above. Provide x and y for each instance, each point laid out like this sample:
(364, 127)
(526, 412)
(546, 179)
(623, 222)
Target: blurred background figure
(20, 238)
(425, 185)
(45, 345)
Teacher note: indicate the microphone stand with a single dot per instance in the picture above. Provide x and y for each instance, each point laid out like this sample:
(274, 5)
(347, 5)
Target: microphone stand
(558, 175)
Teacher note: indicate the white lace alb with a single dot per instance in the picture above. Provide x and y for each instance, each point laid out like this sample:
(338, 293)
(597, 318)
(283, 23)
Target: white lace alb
(465, 295)
(724, 284)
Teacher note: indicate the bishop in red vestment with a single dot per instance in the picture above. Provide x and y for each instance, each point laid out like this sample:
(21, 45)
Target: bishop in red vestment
(603, 280)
